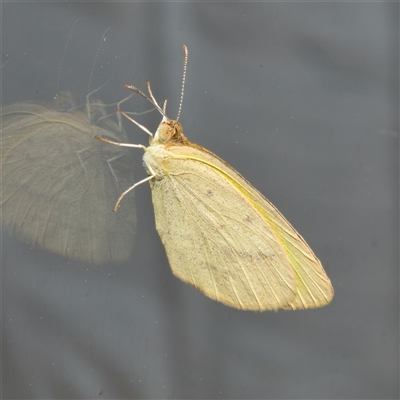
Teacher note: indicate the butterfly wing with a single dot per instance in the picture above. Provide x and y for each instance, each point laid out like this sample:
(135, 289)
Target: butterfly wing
(217, 241)
(223, 237)
(313, 287)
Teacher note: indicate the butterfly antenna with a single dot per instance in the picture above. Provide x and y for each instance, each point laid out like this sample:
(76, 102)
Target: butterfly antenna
(151, 97)
(185, 60)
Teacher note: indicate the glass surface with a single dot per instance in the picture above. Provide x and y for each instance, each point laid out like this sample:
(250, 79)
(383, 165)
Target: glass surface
(300, 98)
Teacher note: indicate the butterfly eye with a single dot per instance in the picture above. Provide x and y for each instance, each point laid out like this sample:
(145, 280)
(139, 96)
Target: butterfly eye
(163, 133)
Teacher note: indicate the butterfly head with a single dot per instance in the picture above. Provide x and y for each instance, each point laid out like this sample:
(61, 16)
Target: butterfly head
(169, 132)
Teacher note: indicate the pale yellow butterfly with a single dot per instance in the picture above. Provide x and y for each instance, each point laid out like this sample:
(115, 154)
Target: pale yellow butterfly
(220, 234)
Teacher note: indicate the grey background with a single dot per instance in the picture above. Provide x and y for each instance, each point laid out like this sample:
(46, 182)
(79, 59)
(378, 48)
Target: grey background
(302, 99)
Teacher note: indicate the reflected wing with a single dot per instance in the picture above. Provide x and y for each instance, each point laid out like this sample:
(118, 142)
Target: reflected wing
(60, 184)
(223, 237)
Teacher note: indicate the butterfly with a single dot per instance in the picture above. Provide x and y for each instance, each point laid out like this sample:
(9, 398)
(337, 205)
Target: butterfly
(221, 235)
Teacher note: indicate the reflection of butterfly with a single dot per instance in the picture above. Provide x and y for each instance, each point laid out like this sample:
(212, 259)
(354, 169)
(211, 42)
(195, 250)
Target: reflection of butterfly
(220, 233)
(59, 183)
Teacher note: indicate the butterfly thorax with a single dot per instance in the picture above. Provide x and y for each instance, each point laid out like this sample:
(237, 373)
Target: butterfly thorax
(169, 132)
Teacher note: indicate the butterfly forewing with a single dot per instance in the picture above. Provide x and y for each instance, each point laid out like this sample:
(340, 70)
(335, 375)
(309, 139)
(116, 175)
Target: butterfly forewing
(214, 238)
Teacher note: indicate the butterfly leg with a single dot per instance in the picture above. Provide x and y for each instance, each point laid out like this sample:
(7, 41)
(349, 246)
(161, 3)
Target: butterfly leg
(153, 174)
(140, 146)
